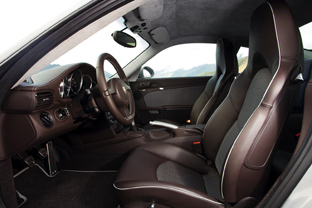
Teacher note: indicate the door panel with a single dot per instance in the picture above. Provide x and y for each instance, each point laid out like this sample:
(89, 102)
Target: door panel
(167, 98)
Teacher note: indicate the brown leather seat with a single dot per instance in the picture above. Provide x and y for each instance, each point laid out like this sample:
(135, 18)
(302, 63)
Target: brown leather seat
(217, 86)
(239, 137)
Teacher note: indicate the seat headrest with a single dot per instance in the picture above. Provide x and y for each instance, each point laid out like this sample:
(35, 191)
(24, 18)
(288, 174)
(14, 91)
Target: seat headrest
(273, 36)
(226, 59)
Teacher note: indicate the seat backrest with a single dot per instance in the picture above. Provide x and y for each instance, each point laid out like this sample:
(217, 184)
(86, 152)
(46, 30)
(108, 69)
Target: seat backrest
(218, 85)
(240, 136)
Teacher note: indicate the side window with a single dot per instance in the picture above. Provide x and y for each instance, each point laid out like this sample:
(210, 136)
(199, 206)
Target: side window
(185, 60)
(306, 32)
(242, 57)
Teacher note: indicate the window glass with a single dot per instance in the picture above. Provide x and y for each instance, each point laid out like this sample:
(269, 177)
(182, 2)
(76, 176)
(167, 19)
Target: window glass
(306, 34)
(242, 57)
(102, 42)
(21, 18)
(186, 60)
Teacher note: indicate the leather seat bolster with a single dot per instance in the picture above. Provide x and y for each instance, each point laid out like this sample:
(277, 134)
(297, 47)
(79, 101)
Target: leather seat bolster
(179, 155)
(163, 193)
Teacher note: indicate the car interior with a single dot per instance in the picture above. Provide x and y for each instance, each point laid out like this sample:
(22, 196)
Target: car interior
(124, 132)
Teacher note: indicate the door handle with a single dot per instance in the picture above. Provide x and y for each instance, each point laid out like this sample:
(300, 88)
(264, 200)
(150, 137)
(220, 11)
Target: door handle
(147, 84)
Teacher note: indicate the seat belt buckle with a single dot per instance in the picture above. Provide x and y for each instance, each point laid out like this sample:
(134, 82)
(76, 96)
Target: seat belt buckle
(197, 147)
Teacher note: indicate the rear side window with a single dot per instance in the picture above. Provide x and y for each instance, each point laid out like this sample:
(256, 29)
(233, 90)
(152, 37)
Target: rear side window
(242, 57)
(185, 60)
(306, 34)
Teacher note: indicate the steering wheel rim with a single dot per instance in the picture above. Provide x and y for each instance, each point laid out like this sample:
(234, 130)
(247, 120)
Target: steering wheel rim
(116, 93)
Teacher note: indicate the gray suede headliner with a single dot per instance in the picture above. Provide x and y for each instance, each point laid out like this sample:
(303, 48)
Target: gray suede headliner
(212, 18)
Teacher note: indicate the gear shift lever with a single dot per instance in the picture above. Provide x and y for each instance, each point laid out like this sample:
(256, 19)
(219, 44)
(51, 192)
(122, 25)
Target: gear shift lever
(134, 128)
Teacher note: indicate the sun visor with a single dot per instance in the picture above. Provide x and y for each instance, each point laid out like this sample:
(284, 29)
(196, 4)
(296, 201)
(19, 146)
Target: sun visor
(151, 10)
(160, 35)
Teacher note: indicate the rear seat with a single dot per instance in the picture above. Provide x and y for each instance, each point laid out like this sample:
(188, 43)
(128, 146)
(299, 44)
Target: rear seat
(291, 133)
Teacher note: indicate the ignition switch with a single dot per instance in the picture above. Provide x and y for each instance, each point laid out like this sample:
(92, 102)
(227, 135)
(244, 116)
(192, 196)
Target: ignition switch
(62, 113)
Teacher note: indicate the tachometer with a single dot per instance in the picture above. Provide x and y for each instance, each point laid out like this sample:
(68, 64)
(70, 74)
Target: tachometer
(76, 81)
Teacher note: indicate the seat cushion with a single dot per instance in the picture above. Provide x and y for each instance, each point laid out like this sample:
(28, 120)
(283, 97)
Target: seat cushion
(176, 177)
(174, 172)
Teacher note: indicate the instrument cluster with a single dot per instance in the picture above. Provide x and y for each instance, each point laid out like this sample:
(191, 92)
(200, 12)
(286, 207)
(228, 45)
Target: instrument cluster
(74, 83)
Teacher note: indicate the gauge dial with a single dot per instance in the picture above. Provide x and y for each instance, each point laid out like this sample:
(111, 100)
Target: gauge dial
(62, 89)
(66, 86)
(75, 81)
(86, 82)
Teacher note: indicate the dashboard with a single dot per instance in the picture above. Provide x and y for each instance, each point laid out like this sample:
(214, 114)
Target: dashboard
(50, 103)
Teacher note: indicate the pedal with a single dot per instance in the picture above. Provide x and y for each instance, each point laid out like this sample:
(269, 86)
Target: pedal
(51, 159)
(21, 199)
(30, 161)
(43, 153)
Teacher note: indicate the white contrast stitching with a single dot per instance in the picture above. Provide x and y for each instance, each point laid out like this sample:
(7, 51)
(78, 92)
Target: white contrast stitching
(169, 188)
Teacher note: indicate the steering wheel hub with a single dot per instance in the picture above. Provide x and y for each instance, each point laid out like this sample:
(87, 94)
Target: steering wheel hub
(120, 95)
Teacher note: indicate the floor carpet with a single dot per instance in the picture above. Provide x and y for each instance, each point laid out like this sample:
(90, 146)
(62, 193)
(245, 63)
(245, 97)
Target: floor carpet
(67, 189)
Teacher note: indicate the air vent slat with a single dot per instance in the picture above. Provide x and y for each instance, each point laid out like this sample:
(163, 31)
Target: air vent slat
(44, 100)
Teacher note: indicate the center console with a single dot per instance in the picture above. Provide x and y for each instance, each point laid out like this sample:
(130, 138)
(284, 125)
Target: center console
(108, 135)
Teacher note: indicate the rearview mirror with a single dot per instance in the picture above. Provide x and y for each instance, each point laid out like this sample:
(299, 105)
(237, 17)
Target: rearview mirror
(124, 39)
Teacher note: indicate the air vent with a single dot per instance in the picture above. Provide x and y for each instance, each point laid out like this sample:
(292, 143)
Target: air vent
(44, 100)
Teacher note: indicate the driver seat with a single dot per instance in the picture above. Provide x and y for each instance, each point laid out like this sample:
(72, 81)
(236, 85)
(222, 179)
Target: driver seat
(239, 137)
(217, 86)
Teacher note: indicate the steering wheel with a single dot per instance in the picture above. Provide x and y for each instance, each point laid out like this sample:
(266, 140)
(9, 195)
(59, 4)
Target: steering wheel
(116, 92)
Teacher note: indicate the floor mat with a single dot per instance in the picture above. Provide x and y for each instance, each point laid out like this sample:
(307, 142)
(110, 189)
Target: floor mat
(67, 189)
(70, 159)
(89, 161)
